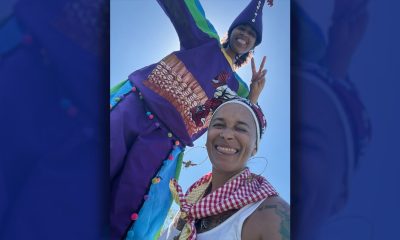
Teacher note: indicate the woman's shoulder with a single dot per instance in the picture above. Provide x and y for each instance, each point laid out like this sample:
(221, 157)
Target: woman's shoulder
(271, 220)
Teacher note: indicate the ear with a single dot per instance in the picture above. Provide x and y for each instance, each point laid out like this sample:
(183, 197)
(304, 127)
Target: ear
(254, 151)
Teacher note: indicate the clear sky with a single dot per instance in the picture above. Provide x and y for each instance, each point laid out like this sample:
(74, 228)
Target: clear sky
(141, 34)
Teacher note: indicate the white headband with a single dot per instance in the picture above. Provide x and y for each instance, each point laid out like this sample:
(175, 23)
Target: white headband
(252, 114)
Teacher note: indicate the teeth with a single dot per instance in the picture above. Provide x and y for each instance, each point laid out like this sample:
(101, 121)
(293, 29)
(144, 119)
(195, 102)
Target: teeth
(226, 150)
(241, 41)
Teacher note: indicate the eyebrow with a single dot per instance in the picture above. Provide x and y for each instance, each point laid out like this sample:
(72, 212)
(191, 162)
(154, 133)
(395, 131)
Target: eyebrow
(249, 29)
(238, 122)
(243, 123)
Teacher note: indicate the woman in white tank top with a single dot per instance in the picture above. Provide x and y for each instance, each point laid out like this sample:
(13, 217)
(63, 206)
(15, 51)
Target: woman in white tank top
(230, 202)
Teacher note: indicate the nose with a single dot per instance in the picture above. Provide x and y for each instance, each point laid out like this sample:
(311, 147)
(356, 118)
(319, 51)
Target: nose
(248, 32)
(226, 134)
(244, 32)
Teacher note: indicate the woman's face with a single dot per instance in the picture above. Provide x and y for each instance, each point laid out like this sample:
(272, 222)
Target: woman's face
(231, 138)
(242, 39)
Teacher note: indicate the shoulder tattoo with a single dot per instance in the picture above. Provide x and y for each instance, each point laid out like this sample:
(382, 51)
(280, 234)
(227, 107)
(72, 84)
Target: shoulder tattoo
(282, 211)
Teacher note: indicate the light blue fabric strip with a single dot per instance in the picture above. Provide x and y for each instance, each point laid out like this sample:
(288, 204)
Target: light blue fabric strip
(118, 91)
(155, 208)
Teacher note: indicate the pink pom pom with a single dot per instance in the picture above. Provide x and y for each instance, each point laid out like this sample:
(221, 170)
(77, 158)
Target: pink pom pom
(134, 216)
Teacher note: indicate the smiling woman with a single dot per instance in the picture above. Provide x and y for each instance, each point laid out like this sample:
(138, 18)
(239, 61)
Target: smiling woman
(231, 202)
(242, 39)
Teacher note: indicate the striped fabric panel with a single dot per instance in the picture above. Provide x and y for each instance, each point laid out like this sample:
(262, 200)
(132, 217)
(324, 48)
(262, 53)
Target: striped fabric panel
(118, 90)
(197, 12)
(243, 89)
(114, 89)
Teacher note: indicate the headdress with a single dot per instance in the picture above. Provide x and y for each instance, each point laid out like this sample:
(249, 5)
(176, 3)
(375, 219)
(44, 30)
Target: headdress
(252, 16)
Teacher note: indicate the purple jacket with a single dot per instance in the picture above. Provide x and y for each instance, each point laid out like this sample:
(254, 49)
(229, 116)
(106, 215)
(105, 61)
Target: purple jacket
(186, 79)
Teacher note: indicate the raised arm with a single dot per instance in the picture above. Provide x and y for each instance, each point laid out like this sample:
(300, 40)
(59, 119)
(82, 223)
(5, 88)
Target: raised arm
(190, 22)
(256, 84)
(257, 80)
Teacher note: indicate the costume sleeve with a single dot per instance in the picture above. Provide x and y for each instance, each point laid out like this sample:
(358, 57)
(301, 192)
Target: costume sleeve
(190, 22)
(243, 89)
(116, 88)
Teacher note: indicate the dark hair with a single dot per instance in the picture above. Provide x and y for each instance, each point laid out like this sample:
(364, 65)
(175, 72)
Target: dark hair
(240, 61)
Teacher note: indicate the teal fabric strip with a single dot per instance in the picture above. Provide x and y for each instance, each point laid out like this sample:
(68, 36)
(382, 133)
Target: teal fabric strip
(155, 209)
(198, 14)
(118, 91)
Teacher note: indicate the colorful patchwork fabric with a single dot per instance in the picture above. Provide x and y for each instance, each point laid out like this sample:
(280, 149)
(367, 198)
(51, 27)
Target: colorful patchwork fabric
(243, 90)
(182, 91)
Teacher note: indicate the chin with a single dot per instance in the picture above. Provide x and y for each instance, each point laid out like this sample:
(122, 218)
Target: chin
(240, 51)
(226, 169)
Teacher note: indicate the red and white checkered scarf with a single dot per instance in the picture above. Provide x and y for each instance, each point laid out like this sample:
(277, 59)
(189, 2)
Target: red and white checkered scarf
(241, 190)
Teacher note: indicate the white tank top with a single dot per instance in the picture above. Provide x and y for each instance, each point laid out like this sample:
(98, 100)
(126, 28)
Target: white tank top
(230, 229)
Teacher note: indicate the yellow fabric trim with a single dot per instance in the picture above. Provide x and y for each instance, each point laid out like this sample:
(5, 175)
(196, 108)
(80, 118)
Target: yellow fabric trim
(194, 196)
(174, 192)
(185, 233)
(197, 193)
(228, 58)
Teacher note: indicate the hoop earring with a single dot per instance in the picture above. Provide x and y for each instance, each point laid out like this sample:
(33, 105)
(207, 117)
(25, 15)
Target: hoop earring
(190, 163)
(266, 163)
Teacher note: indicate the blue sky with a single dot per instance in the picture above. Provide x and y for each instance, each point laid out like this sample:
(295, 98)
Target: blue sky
(141, 34)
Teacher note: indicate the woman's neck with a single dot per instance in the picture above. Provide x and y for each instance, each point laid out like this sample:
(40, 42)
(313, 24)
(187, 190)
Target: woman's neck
(230, 53)
(220, 178)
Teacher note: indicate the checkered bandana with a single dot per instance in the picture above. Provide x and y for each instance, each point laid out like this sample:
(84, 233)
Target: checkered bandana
(241, 190)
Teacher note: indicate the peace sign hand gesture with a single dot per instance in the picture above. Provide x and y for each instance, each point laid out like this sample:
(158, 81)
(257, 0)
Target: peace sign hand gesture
(257, 80)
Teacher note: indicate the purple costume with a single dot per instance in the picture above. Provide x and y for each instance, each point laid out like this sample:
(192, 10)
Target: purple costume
(168, 101)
